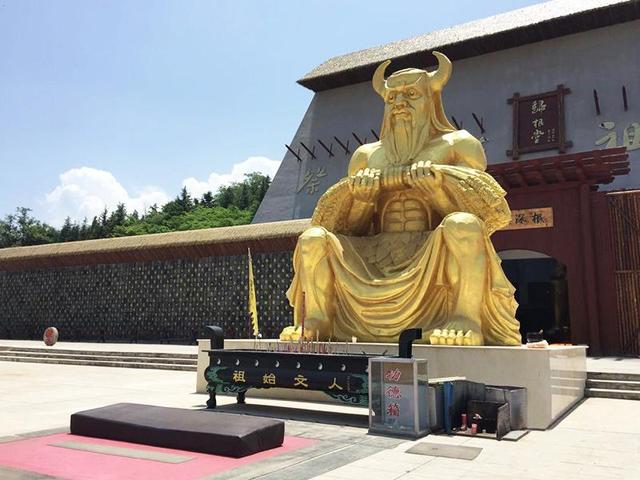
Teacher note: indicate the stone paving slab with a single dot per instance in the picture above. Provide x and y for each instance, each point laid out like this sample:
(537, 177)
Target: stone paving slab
(447, 451)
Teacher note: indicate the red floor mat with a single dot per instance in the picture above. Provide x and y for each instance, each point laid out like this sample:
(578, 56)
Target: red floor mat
(36, 455)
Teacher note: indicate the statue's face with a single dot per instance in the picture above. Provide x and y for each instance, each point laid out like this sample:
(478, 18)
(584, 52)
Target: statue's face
(406, 96)
(406, 115)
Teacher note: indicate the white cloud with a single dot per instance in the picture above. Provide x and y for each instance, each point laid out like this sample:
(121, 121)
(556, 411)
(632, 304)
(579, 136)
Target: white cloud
(263, 165)
(85, 192)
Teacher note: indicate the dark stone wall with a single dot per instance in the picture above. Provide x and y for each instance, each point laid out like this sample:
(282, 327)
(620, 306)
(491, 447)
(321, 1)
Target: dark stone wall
(159, 301)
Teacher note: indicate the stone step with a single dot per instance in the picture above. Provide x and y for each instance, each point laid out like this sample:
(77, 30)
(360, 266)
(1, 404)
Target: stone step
(6, 348)
(613, 384)
(90, 356)
(101, 363)
(630, 377)
(606, 393)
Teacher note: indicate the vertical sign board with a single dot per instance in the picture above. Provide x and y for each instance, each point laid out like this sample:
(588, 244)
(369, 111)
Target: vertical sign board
(398, 396)
(538, 122)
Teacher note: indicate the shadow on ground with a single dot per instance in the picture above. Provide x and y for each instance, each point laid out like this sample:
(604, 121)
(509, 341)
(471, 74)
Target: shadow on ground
(299, 414)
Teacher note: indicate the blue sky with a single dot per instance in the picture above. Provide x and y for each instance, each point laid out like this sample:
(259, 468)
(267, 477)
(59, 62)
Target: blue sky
(124, 100)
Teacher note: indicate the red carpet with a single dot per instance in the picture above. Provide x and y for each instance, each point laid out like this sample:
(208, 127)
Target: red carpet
(35, 455)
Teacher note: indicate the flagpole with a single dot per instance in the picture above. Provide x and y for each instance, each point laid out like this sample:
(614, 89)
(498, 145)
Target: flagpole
(251, 301)
(303, 313)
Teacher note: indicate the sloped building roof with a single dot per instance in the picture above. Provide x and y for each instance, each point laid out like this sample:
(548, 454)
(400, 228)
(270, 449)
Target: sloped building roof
(518, 27)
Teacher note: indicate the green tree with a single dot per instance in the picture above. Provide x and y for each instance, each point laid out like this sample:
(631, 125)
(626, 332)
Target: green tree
(233, 204)
(117, 218)
(207, 200)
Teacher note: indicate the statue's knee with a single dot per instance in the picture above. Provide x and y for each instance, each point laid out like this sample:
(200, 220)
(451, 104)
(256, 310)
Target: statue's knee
(464, 225)
(313, 239)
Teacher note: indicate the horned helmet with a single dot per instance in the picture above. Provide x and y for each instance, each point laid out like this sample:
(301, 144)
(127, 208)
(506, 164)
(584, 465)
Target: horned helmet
(434, 82)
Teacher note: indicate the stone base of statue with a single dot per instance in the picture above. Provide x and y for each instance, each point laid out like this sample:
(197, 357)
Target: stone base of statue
(554, 376)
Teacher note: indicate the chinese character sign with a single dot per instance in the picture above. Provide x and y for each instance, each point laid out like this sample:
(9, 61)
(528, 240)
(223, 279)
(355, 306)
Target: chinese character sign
(531, 218)
(398, 398)
(538, 125)
(630, 136)
(311, 180)
(538, 122)
(397, 393)
(393, 375)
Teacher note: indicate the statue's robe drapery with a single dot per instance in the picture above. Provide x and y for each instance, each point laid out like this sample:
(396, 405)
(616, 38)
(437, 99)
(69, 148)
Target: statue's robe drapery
(381, 289)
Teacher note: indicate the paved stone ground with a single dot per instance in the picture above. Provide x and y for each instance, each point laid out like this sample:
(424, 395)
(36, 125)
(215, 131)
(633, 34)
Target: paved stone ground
(600, 439)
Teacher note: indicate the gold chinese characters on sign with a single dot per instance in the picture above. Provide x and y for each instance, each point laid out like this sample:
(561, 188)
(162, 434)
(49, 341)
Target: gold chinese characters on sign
(403, 240)
(531, 218)
(538, 122)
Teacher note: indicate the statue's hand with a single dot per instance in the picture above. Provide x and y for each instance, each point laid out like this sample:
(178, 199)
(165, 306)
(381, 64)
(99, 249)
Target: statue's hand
(365, 185)
(425, 178)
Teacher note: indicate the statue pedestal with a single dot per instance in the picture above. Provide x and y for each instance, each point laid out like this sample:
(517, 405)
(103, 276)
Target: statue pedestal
(554, 377)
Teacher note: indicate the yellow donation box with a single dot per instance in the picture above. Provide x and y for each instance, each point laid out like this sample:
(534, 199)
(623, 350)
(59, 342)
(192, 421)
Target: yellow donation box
(403, 240)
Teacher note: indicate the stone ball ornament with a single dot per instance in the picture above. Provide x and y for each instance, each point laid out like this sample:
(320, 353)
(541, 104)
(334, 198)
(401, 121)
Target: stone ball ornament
(50, 336)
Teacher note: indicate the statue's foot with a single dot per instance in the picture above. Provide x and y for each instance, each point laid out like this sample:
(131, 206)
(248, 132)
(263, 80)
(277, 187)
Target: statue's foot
(447, 336)
(295, 333)
(459, 331)
(287, 334)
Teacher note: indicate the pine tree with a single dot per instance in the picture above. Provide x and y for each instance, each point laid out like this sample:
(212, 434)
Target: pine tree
(207, 199)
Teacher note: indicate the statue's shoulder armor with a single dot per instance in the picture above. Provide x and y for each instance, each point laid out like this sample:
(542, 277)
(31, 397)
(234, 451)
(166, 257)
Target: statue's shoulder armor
(459, 138)
(467, 148)
(363, 155)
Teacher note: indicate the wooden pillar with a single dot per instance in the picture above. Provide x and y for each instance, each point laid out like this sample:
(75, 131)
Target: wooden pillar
(589, 279)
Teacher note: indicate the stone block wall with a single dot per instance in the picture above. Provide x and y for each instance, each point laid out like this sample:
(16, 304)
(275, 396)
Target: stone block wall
(162, 301)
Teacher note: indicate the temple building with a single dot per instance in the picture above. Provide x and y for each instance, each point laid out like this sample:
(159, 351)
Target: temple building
(553, 93)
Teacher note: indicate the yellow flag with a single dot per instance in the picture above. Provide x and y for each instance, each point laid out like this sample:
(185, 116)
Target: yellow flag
(253, 309)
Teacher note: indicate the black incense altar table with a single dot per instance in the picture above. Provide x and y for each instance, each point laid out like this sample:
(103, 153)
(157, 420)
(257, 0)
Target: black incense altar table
(343, 376)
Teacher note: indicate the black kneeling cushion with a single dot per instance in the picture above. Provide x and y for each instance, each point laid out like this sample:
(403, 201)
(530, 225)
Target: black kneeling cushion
(193, 430)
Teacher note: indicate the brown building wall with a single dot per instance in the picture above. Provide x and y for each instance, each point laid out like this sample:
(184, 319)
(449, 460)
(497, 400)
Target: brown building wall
(624, 214)
(581, 240)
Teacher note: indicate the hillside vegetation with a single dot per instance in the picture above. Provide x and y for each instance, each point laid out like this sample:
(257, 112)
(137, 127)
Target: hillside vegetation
(234, 204)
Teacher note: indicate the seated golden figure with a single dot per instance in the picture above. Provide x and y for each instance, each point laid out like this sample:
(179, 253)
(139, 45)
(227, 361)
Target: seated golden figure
(403, 240)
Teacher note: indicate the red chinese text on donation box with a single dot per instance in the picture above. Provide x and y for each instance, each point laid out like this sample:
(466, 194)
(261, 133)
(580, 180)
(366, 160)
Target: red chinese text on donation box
(398, 396)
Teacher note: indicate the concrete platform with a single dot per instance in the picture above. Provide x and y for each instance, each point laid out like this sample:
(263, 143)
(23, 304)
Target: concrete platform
(554, 377)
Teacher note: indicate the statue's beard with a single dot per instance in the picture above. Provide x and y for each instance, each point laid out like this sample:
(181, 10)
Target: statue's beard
(403, 137)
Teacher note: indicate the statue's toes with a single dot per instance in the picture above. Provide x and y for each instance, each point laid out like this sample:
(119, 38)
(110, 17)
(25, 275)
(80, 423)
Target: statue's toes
(451, 338)
(285, 335)
(454, 337)
(438, 337)
(472, 338)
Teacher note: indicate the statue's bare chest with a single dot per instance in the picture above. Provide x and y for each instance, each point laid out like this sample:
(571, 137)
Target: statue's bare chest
(403, 212)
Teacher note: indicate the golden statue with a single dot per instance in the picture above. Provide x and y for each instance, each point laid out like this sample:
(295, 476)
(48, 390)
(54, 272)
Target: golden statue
(403, 240)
